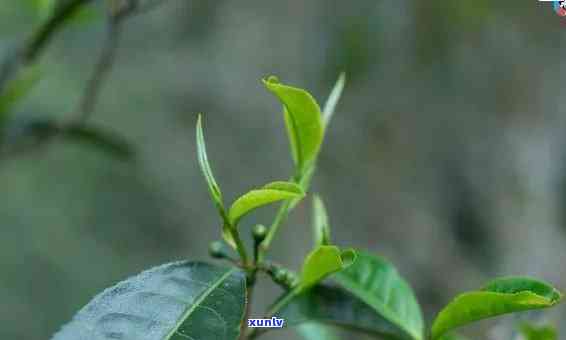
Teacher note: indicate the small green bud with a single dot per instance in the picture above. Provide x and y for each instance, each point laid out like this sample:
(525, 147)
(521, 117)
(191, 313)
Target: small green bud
(280, 275)
(259, 233)
(216, 250)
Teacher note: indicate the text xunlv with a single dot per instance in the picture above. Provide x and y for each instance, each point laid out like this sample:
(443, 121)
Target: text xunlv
(266, 323)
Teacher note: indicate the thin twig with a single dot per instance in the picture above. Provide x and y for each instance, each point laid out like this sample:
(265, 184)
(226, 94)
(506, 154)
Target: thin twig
(102, 68)
(30, 51)
(119, 11)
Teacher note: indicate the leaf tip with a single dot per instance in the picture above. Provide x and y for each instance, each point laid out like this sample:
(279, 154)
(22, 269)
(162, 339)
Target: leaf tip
(199, 122)
(271, 80)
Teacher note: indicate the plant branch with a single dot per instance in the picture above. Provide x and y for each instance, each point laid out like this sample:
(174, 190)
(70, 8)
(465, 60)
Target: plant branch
(279, 219)
(28, 53)
(119, 11)
(102, 68)
(240, 247)
(303, 179)
(243, 327)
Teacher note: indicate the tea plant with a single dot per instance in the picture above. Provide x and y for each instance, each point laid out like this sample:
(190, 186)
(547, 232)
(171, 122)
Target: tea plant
(345, 287)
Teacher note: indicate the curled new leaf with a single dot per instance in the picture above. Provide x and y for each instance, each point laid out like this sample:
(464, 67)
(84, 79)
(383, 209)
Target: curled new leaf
(321, 228)
(323, 261)
(205, 166)
(303, 120)
(333, 99)
(270, 193)
(499, 297)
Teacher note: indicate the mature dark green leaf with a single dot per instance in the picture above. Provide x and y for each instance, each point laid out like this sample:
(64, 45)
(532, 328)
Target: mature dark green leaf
(303, 120)
(376, 282)
(205, 166)
(323, 261)
(177, 301)
(270, 193)
(333, 305)
(333, 99)
(501, 296)
(321, 227)
(533, 332)
(316, 331)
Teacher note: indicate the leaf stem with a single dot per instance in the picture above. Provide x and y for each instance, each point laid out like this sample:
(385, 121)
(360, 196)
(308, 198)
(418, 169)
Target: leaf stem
(250, 289)
(282, 214)
(236, 236)
(240, 247)
(280, 218)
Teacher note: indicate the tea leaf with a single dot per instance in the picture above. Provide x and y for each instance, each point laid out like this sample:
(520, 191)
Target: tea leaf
(303, 121)
(323, 261)
(377, 283)
(205, 166)
(285, 186)
(321, 228)
(270, 193)
(182, 300)
(331, 305)
(501, 296)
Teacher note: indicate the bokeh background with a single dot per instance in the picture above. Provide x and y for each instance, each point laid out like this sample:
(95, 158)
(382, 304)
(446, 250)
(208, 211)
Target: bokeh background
(446, 153)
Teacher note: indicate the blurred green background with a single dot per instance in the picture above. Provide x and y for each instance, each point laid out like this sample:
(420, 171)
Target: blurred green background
(446, 153)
